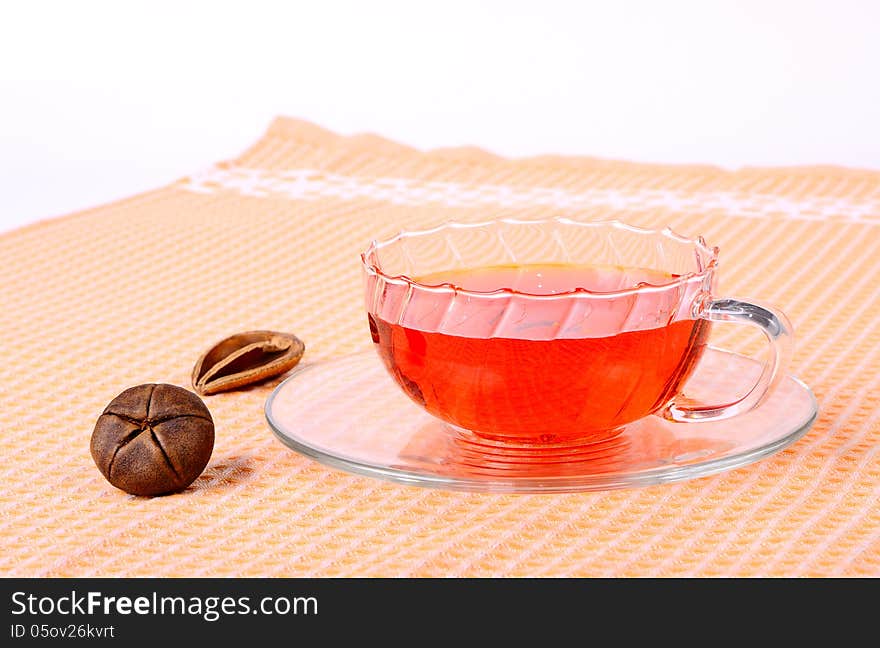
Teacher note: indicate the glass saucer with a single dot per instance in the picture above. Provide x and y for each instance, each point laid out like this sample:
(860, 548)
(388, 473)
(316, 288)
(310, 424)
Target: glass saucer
(348, 413)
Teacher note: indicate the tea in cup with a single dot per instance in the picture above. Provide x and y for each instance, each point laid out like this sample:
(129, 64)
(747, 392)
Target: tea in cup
(553, 331)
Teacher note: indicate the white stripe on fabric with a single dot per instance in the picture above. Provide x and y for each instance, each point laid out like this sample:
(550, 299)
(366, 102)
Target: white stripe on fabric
(309, 184)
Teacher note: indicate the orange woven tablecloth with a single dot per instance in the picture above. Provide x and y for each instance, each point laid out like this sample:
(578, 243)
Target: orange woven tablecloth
(134, 291)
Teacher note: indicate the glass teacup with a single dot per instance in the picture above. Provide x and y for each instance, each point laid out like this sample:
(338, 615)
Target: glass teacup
(554, 331)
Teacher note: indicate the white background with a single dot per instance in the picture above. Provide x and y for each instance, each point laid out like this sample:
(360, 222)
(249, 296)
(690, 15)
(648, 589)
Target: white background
(99, 100)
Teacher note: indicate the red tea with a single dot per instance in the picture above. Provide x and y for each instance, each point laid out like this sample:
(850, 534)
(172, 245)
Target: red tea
(546, 377)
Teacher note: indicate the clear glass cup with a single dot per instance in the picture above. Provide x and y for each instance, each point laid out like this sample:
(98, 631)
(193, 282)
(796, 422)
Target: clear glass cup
(554, 331)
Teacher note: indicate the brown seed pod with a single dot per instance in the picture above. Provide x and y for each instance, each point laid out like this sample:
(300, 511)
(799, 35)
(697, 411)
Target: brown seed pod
(244, 359)
(153, 439)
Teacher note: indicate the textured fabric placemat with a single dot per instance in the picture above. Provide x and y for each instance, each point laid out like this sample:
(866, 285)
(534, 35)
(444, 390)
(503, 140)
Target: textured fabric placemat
(135, 291)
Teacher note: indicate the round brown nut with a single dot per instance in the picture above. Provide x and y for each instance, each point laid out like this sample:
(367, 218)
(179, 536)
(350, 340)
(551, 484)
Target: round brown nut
(153, 439)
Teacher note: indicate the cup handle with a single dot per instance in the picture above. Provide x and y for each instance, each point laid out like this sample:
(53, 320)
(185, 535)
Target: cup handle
(778, 330)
